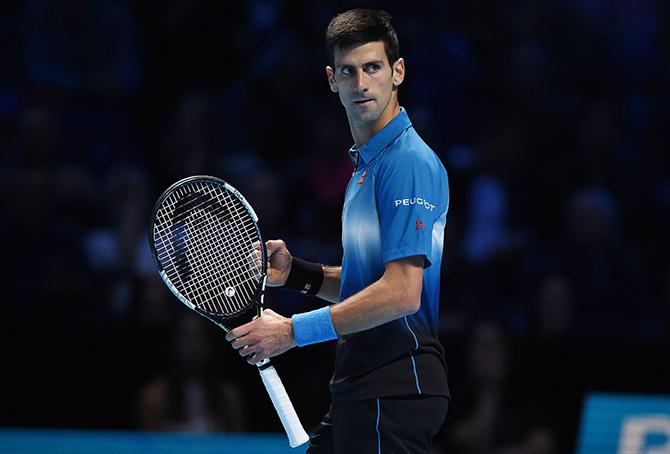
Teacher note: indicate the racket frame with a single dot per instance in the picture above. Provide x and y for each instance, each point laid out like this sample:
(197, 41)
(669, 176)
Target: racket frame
(273, 385)
(256, 305)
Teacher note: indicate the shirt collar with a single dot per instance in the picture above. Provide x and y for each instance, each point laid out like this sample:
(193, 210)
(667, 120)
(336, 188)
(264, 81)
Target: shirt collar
(380, 140)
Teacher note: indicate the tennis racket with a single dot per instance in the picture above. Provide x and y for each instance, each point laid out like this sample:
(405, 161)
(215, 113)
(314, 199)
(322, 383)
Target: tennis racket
(210, 253)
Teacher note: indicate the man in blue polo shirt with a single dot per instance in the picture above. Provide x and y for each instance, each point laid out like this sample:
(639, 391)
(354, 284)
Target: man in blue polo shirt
(389, 386)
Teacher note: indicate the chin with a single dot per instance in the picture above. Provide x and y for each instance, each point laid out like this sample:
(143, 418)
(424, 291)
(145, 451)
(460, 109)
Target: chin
(367, 117)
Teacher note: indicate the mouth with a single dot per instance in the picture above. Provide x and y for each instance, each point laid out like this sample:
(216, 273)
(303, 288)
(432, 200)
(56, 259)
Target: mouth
(363, 102)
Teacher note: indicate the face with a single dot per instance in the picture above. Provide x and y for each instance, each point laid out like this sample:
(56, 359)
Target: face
(365, 81)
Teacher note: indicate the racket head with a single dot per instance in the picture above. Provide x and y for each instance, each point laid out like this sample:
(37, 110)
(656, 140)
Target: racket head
(209, 250)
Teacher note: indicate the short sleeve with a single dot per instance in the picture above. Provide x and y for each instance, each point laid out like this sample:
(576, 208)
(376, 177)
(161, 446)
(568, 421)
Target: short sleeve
(412, 195)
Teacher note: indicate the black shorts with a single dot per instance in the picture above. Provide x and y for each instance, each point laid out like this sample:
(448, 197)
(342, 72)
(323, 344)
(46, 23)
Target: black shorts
(387, 425)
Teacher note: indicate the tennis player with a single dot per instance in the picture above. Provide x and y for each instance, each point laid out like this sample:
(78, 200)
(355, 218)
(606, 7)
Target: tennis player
(389, 386)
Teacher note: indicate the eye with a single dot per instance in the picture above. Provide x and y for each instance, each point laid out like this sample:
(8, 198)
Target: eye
(346, 70)
(373, 67)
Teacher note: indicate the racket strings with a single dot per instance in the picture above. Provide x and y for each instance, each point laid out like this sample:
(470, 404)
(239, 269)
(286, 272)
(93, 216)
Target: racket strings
(245, 249)
(212, 236)
(176, 252)
(207, 243)
(164, 244)
(204, 289)
(211, 221)
(210, 281)
(223, 260)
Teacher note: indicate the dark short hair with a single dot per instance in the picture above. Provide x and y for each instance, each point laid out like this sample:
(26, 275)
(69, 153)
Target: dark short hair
(360, 26)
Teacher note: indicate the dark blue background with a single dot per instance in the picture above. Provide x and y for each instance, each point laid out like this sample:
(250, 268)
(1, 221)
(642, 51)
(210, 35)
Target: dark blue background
(551, 118)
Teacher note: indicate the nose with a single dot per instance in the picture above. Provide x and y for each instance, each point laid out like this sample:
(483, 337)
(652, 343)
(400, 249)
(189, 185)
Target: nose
(361, 82)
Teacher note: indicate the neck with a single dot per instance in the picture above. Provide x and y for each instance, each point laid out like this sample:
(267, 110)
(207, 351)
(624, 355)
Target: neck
(362, 133)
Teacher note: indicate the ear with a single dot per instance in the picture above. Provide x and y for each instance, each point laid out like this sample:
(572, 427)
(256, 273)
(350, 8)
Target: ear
(398, 71)
(330, 74)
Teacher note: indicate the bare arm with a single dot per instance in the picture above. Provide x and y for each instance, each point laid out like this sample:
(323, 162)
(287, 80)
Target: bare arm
(396, 294)
(330, 288)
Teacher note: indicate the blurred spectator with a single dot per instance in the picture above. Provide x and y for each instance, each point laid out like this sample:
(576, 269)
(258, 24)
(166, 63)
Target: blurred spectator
(665, 292)
(86, 46)
(191, 394)
(598, 138)
(116, 245)
(607, 274)
(191, 141)
(327, 174)
(592, 220)
(553, 310)
(35, 231)
(48, 267)
(661, 326)
(494, 413)
(489, 231)
(39, 138)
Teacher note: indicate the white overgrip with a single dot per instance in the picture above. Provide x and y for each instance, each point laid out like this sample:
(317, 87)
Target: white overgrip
(289, 419)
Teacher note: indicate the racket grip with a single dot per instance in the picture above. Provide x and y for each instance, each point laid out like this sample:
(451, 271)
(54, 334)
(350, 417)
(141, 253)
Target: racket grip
(287, 415)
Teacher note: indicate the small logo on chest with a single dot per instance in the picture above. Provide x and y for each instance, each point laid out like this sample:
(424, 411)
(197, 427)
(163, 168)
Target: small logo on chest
(419, 224)
(362, 178)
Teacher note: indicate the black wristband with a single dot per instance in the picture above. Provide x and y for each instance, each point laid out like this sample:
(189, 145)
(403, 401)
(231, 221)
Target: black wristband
(305, 277)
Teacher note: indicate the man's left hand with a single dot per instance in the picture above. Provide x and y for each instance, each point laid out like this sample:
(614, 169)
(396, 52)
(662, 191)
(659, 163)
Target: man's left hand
(264, 337)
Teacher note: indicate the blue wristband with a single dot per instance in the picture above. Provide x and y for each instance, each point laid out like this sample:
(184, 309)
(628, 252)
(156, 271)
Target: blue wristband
(313, 327)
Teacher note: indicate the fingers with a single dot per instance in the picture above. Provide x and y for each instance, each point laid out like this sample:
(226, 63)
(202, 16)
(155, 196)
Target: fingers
(248, 350)
(254, 352)
(253, 360)
(278, 251)
(242, 342)
(261, 338)
(246, 344)
(273, 246)
(238, 332)
(255, 257)
(279, 260)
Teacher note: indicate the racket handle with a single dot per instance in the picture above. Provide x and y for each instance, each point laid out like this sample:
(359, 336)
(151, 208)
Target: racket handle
(287, 415)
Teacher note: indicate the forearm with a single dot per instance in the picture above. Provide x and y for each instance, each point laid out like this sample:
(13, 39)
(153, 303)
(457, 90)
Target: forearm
(379, 303)
(330, 288)
(397, 293)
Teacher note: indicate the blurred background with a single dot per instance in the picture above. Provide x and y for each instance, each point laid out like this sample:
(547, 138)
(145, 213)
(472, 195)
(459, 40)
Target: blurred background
(547, 115)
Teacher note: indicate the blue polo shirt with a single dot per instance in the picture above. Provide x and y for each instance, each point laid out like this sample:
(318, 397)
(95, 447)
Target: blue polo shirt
(395, 207)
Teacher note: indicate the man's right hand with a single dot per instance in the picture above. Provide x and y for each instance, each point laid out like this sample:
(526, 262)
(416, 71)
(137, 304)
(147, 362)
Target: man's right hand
(279, 263)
